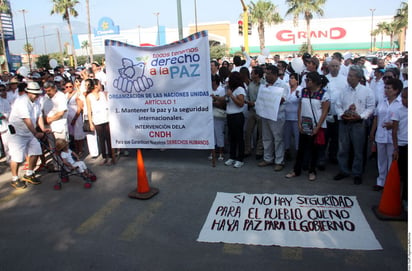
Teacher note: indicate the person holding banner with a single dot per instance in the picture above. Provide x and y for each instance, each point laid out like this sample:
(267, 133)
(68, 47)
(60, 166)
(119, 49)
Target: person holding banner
(235, 99)
(312, 111)
(98, 116)
(270, 107)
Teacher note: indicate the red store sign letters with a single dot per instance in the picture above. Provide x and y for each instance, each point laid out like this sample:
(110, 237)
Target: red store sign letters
(333, 33)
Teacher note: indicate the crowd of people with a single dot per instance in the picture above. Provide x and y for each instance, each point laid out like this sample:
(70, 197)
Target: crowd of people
(337, 109)
(328, 110)
(44, 108)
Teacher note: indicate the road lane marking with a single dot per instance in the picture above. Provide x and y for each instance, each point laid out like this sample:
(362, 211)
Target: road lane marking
(233, 249)
(139, 223)
(291, 253)
(98, 218)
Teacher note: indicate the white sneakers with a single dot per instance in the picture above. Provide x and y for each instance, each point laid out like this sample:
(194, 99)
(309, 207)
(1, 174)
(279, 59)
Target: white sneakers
(238, 164)
(234, 163)
(230, 162)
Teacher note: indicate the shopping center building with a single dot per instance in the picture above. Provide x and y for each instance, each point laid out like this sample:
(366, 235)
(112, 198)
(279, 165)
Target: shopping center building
(327, 35)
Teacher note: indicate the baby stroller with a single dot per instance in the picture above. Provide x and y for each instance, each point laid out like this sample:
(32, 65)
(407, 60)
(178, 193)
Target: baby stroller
(66, 170)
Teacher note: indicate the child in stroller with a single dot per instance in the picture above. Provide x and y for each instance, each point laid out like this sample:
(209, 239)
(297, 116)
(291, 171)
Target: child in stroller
(71, 162)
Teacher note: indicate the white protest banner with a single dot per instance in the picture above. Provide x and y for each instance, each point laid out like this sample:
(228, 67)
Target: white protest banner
(159, 97)
(329, 221)
(268, 102)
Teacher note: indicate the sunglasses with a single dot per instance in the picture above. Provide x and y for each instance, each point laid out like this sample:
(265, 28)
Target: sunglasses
(68, 86)
(387, 77)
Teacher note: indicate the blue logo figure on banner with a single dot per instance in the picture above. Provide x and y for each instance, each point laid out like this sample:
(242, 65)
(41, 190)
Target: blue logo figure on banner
(131, 77)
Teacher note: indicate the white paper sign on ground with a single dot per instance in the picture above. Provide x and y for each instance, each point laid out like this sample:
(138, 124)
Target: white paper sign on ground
(328, 221)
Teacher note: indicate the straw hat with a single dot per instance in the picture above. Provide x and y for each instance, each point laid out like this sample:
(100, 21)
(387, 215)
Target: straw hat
(60, 144)
(33, 87)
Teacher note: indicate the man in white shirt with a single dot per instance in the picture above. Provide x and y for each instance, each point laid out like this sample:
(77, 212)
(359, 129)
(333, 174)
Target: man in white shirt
(239, 63)
(355, 104)
(55, 114)
(5, 110)
(377, 85)
(12, 92)
(272, 130)
(99, 73)
(337, 83)
(24, 117)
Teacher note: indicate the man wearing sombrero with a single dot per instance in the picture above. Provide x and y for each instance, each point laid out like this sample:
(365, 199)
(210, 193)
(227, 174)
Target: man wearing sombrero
(24, 117)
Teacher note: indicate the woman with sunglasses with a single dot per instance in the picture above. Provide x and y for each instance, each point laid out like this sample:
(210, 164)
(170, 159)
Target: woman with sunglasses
(74, 117)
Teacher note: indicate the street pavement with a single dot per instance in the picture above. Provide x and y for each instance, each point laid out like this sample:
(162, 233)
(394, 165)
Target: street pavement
(102, 229)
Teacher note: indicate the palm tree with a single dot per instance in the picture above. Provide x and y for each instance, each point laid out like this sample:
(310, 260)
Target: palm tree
(401, 20)
(381, 29)
(4, 8)
(391, 30)
(307, 8)
(261, 13)
(66, 8)
(89, 31)
(85, 46)
(28, 48)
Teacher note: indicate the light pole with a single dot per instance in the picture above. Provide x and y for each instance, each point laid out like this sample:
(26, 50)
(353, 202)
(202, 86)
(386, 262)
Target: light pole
(44, 40)
(196, 15)
(27, 39)
(158, 30)
(372, 10)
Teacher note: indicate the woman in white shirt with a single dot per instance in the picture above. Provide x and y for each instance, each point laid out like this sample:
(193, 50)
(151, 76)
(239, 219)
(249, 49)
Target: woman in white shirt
(291, 129)
(98, 116)
(381, 131)
(235, 99)
(312, 111)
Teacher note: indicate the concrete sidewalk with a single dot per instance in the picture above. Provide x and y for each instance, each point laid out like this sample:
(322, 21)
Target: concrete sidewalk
(102, 229)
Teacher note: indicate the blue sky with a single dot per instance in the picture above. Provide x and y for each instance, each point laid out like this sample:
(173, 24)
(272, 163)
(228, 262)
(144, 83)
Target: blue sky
(131, 13)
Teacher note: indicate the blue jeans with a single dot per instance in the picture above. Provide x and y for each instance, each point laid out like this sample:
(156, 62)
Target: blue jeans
(351, 136)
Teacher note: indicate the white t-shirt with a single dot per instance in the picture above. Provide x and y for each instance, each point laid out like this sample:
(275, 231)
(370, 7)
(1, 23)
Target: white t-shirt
(67, 156)
(231, 107)
(99, 107)
(312, 107)
(23, 108)
(57, 103)
(401, 115)
(384, 112)
(5, 110)
(291, 104)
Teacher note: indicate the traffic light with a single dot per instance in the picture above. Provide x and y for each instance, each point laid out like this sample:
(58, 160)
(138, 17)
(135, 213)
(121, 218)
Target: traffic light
(240, 26)
(249, 28)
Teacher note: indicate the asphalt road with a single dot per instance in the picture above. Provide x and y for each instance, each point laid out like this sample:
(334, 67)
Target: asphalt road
(102, 229)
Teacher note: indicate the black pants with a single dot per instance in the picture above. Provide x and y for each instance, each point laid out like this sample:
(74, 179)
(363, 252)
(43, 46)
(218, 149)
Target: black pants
(103, 135)
(332, 137)
(307, 148)
(403, 170)
(235, 123)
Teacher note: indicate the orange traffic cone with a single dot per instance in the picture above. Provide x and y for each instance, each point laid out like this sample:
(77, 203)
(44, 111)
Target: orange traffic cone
(143, 190)
(390, 207)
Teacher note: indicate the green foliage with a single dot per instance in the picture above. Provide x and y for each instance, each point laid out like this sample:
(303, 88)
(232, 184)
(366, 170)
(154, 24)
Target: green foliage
(28, 48)
(218, 51)
(81, 60)
(305, 49)
(43, 62)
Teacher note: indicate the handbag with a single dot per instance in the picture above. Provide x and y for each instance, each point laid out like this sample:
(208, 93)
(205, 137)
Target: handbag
(319, 138)
(219, 113)
(86, 126)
